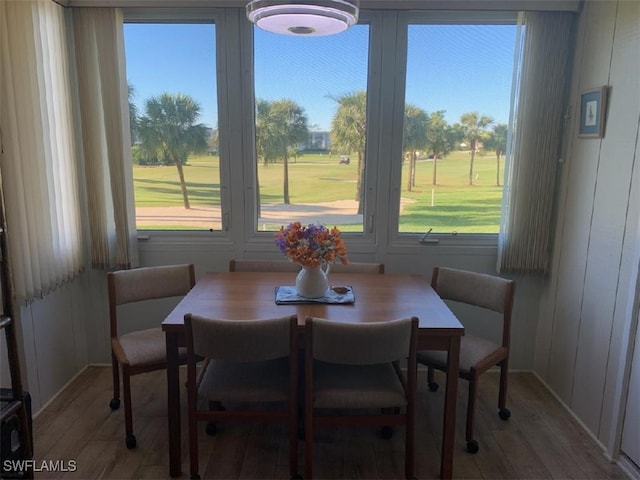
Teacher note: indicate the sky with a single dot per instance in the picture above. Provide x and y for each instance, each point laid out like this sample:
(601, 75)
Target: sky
(454, 68)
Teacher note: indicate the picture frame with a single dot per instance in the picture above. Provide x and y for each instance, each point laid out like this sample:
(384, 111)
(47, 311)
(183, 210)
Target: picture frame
(593, 106)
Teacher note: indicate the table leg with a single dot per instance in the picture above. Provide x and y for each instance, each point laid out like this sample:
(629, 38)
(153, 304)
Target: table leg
(173, 404)
(449, 428)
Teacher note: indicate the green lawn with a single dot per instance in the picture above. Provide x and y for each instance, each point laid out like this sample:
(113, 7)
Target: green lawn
(319, 178)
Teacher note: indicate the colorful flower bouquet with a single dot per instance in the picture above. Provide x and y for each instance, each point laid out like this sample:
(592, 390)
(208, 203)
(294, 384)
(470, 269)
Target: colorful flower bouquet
(311, 245)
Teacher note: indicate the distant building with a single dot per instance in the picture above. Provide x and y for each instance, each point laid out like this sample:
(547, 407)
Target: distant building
(318, 141)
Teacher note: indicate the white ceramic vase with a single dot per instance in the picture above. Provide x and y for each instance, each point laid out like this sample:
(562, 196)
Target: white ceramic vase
(312, 282)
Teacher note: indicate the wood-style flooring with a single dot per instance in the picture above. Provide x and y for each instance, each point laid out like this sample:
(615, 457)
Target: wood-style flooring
(540, 441)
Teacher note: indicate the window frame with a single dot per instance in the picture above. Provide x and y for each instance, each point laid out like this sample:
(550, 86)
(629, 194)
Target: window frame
(385, 115)
(400, 241)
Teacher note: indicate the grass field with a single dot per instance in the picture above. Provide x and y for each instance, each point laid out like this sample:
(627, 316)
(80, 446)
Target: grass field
(317, 178)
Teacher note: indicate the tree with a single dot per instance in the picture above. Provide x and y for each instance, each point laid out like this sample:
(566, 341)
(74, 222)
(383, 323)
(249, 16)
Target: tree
(441, 139)
(281, 126)
(474, 127)
(133, 113)
(348, 133)
(416, 123)
(168, 128)
(497, 141)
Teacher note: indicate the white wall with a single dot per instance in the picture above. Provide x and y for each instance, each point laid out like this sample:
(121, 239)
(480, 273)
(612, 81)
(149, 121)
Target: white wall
(584, 308)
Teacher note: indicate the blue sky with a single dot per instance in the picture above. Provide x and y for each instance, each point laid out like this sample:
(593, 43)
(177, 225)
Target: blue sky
(453, 68)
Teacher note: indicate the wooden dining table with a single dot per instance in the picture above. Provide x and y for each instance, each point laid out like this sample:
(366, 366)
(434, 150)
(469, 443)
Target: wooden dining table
(249, 295)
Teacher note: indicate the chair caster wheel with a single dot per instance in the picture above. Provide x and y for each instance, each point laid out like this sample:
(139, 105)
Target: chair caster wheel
(297, 476)
(472, 446)
(131, 441)
(386, 432)
(194, 477)
(433, 387)
(212, 429)
(114, 404)
(504, 414)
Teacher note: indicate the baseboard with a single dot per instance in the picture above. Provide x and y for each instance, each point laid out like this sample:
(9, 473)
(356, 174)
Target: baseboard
(59, 392)
(576, 418)
(628, 467)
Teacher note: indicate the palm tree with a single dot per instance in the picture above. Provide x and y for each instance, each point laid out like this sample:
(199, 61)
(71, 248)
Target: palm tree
(441, 139)
(133, 113)
(416, 124)
(168, 128)
(348, 133)
(497, 141)
(474, 127)
(281, 126)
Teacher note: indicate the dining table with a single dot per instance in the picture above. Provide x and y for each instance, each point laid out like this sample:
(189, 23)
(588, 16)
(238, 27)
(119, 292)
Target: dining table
(376, 297)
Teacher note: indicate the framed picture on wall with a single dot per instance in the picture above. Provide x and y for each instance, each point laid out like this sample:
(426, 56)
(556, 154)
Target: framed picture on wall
(593, 105)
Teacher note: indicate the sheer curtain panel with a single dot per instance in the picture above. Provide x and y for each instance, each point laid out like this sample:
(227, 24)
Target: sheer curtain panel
(536, 134)
(106, 139)
(38, 161)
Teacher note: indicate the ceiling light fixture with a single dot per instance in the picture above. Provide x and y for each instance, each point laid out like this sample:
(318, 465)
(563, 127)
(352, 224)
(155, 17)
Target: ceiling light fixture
(303, 17)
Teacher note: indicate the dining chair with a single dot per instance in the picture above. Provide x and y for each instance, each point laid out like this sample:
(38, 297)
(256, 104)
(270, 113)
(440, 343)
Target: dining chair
(251, 366)
(262, 266)
(477, 355)
(353, 378)
(143, 350)
(357, 267)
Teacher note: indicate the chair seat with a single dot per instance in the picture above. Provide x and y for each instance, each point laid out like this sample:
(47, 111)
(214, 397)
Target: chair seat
(266, 381)
(472, 350)
(147, 347)
(357, 386)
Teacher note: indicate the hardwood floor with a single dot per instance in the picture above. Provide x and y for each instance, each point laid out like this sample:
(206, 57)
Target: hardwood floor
(539, 441)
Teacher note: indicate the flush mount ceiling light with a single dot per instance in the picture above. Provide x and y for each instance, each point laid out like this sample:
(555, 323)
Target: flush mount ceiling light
(303, 17)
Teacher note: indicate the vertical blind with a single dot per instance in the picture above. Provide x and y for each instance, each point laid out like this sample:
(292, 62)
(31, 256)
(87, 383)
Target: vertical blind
(106, 139)
(525, 232)
(38, 160)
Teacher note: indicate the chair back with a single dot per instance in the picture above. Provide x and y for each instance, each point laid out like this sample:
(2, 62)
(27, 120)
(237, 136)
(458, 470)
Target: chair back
(360, 343)
(478, 289)
(357, 267)
(262, 266)
(146, 283)
(240, 340)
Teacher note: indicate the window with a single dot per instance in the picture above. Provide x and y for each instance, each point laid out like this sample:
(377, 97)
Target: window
(171, 71)
(311, 102)
(456, 111)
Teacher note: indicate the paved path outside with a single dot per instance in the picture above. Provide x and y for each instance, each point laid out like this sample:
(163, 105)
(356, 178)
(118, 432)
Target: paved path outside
(274, 215)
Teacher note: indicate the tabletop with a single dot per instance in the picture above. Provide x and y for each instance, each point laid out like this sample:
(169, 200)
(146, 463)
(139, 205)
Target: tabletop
(248, 295)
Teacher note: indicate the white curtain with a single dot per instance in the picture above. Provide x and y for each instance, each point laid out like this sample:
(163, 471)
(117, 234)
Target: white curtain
(535, 141)
(38, 161)
(106, 139)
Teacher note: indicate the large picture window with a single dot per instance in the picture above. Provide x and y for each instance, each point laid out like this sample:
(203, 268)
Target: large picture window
(311, 107)
(457, 104)
(171, 71)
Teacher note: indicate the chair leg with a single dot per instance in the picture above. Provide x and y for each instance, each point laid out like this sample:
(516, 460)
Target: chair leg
(128, 417)
(431, 379)
(472, 445)
(410, 442)
(293, 443)
(502, 396)
(114, 404)
(193, 439)
(308, 443)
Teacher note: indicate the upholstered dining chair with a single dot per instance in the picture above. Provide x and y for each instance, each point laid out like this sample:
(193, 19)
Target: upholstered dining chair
(353, 378)
(262, 266)
(477, 355)
(144, 350)
(250, 365)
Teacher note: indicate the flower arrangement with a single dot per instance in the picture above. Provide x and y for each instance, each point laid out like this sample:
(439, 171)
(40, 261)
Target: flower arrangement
(311, 245)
